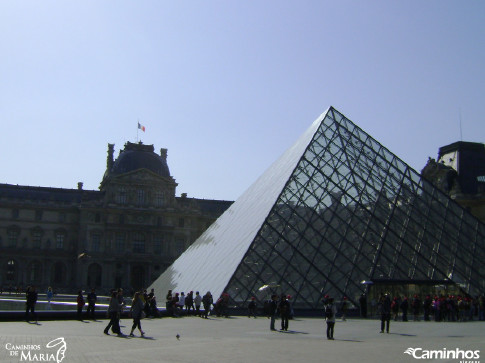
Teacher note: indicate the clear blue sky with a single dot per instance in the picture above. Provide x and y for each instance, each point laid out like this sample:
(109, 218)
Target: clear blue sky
(226, 86)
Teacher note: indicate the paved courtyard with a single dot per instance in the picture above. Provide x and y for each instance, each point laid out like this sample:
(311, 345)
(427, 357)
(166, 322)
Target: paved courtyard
(237, 339)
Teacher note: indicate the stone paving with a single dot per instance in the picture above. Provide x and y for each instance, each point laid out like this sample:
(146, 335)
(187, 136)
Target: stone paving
(237, 339)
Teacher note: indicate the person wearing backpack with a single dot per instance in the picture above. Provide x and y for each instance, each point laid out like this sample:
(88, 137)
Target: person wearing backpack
(330, 312)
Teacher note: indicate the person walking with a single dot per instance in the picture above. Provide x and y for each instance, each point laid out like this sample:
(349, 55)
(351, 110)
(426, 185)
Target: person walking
(284, 312)
(385, 309)
(31, 297)
(114, 310)
(207, 301)
(137, 306)
(330, 313)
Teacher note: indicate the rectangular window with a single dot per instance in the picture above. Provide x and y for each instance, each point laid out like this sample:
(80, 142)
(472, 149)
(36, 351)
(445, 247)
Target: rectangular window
(15, 213)
(140, 197)
(179, 246)
(181, 222)
(37, 239)
(159, 199)
(13, 237)
(120, 243)
(157, 245)
(38, 215)
(122, 196)
(95, 242)
(62, 217)
(139, 243)
(60, 241)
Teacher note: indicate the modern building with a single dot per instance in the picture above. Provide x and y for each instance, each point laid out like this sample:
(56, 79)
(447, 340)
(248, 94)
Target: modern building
(336, 214)
(122, 235)
(460, 173)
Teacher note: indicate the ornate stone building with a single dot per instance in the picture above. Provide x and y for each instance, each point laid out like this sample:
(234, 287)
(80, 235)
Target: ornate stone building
(122, 235)
(460, 172)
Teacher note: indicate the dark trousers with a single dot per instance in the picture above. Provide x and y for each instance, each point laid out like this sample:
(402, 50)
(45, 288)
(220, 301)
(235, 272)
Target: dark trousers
(207, 309)
(284, 322)
(136, 324)
(273, 318)
(114, 323)
(385, 321)
(80, 312)
(330, 328)
(90, 311)
(30, 308)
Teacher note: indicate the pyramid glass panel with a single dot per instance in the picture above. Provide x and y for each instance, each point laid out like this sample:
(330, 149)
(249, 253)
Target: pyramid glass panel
(336, 210)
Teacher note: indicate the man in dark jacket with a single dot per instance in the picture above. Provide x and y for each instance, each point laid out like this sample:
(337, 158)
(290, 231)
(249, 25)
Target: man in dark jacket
(385, 308)
(273, 307)
(284, 312)
(92, 298)
(30, 303)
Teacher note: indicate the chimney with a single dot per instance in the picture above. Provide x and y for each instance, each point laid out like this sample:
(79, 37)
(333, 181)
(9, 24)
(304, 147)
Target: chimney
(109, 161)
(163, 154)
(80, 186)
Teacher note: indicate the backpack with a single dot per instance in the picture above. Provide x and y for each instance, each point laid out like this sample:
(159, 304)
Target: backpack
(328, 311)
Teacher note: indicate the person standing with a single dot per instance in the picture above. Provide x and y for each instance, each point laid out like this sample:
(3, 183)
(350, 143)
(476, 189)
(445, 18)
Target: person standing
(385, 308)
(273, 308)
(169, 303)
(363, 305)
(31, 298)
(252, 308)
(345, 306)
(181, 302)
(330, 313)
(80, 305)
(197, 301)
(284, 312)
(92, 298)
(404, 308)
(137, 306)
(49, 294)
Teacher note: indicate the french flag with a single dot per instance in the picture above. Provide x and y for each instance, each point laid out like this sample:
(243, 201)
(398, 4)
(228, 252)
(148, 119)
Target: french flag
(141, 127)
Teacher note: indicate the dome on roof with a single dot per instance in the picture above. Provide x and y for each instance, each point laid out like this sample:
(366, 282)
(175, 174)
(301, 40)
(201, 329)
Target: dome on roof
(139, 156)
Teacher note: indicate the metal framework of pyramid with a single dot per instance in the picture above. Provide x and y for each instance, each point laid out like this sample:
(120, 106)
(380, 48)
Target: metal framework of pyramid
(335, 209)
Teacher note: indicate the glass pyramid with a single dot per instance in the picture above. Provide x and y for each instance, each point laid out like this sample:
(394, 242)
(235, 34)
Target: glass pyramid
(335, 210)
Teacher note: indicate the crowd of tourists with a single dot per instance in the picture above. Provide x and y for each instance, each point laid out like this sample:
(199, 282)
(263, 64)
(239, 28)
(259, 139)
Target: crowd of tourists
(143, 304)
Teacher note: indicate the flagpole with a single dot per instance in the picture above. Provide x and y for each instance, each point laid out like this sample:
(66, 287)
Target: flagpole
(137, 130)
